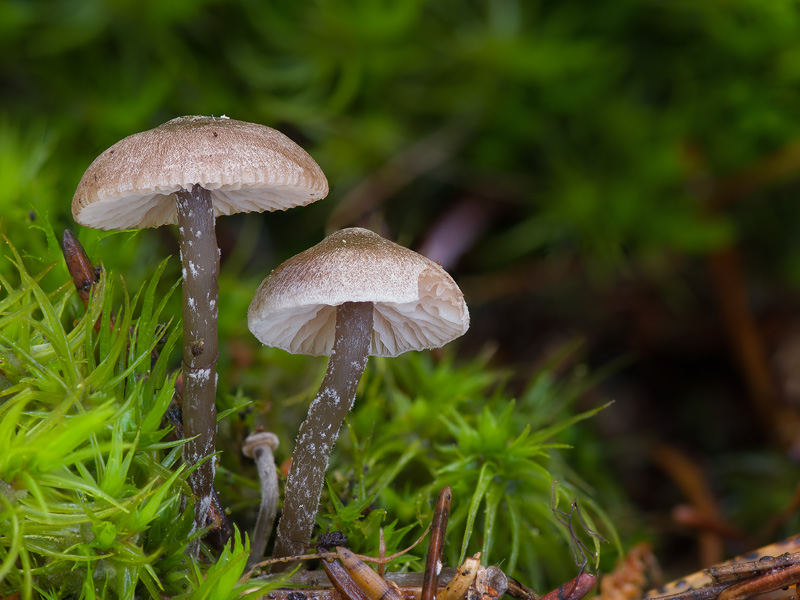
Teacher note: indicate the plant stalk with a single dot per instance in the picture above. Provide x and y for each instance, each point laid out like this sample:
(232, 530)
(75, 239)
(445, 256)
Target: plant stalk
(319, 431)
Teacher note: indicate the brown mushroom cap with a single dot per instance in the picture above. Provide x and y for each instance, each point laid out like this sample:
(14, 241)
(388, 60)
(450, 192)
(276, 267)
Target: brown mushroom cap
(417, 305)
(248, 168)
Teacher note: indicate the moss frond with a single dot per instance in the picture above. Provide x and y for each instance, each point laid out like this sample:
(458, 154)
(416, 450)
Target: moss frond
(90, 485)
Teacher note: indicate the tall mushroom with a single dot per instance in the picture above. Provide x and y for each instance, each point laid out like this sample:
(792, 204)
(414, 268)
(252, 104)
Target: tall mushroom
(188, 171)
(352, 295)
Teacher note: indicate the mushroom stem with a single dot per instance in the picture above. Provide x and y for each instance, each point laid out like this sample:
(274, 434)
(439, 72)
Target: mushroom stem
(319, 431)
(200, 259)
(259, 446)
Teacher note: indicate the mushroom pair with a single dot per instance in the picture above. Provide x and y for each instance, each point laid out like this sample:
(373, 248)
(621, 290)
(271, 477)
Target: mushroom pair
(353, 295)
(189, 171)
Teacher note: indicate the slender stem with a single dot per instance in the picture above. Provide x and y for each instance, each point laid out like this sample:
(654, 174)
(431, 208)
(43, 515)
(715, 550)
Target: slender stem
(269, 504)
(200, 258)
(319, 431)
(260, 446)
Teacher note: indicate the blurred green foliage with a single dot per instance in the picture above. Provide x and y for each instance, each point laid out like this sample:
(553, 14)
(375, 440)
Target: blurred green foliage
(580, 126)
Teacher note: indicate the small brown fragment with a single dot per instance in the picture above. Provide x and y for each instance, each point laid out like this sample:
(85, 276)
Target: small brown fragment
(574, 589)
(372, 584)
(460, 583)
(521, 591)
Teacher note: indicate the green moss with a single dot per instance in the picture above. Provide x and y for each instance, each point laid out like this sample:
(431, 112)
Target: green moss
(90, 486)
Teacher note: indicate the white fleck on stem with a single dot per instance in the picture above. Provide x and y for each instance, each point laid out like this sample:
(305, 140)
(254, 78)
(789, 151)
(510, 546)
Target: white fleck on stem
(319, 431)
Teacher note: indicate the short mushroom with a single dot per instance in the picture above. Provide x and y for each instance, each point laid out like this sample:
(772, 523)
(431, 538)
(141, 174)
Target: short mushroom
(353, 295)
(260, 446)
(188, 171)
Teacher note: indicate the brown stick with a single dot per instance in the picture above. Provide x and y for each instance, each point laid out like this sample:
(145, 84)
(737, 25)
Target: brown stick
(730, 286)
(342, 581)
(315, 585)
(784, 162)
(691, 480)
(726, 271)
(331, 593)
(372, 584)
(79, 266)
(438, 533)
(768, 582)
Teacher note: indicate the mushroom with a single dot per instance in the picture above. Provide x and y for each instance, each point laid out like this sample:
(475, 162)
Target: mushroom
(352, 295)
(260, 447)
(188, 171)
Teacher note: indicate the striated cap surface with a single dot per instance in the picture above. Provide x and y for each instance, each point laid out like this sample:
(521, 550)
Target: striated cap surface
(248, 168)
(417, 305)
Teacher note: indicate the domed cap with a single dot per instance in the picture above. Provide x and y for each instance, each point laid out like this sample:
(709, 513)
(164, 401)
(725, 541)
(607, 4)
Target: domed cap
(248, 168)
(417, 305)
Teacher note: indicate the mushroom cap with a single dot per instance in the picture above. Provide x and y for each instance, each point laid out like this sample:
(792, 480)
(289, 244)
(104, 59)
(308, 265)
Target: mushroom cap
(417, 305)
(247, 167)
(260, 439)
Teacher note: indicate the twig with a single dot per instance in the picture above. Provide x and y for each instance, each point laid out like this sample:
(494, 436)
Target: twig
(692, 482)
(381, 552)
(438, 533)
(316, 555)
(574, 589)
(710, 582)
(342, 580)
(84, 274)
